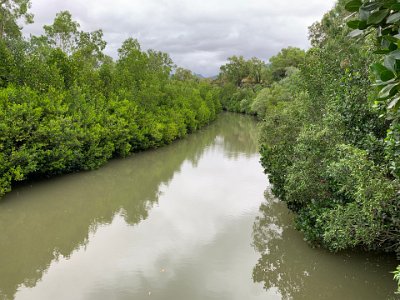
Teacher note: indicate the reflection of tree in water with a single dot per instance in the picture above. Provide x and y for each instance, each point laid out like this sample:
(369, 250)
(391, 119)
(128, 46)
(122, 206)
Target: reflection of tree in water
(240, 134)
(290, 266)
(55, 218)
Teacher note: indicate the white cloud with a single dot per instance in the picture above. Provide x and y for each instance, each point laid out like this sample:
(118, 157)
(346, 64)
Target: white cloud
(198, 35)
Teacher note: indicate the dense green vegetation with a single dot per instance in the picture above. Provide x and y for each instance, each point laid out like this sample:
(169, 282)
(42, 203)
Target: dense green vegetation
(330, 138)
(330, 148)
(66, 106)
(246, 83)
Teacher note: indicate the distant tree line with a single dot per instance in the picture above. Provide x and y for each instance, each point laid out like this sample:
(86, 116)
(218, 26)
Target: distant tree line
(241, 80)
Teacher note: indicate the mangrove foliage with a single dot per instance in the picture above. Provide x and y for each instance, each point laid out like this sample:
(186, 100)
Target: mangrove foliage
(66, 106)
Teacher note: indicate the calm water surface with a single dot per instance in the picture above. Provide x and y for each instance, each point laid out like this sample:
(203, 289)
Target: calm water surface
(187, 221)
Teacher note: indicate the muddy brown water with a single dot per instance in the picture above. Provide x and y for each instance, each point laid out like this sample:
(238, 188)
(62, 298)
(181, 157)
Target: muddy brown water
(192, 220)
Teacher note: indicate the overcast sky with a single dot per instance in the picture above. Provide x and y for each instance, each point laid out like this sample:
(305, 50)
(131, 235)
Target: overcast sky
(198, 34)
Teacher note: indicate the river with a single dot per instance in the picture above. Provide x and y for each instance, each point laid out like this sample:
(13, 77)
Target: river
(192, 220)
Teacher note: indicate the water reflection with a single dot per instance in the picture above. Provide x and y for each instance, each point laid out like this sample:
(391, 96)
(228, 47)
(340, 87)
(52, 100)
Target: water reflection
(173, 223)
(289, 266)
(45, 222)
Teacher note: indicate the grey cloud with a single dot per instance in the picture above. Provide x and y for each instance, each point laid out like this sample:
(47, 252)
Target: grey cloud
(199, 35)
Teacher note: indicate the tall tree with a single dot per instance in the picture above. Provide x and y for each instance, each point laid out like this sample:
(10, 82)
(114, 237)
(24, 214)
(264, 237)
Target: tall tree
(235, 70)
(287, 57)
(63, 33)
(10, 12)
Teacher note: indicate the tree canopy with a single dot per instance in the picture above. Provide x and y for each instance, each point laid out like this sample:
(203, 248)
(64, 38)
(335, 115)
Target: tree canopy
(66, 106)
(10, 13)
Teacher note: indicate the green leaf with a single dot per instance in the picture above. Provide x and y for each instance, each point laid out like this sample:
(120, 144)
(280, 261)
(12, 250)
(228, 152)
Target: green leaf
(394, 103)
(390, 38)
(364, 14)
(393, 46)
(353, 24)
(393, 18)
(386, 30)
(357, 24)
(353, 6)
(362, 25)
(395, 7)
(395, 54)
(383, 83)
(378, 16)
(387, 3)
(382, 72)
(355, 33)
(371, 6)
(387, 90)
(390, 63)
(382, 51)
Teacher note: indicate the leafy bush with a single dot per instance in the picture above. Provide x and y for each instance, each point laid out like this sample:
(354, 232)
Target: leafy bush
(64, 110)
(331, 154)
